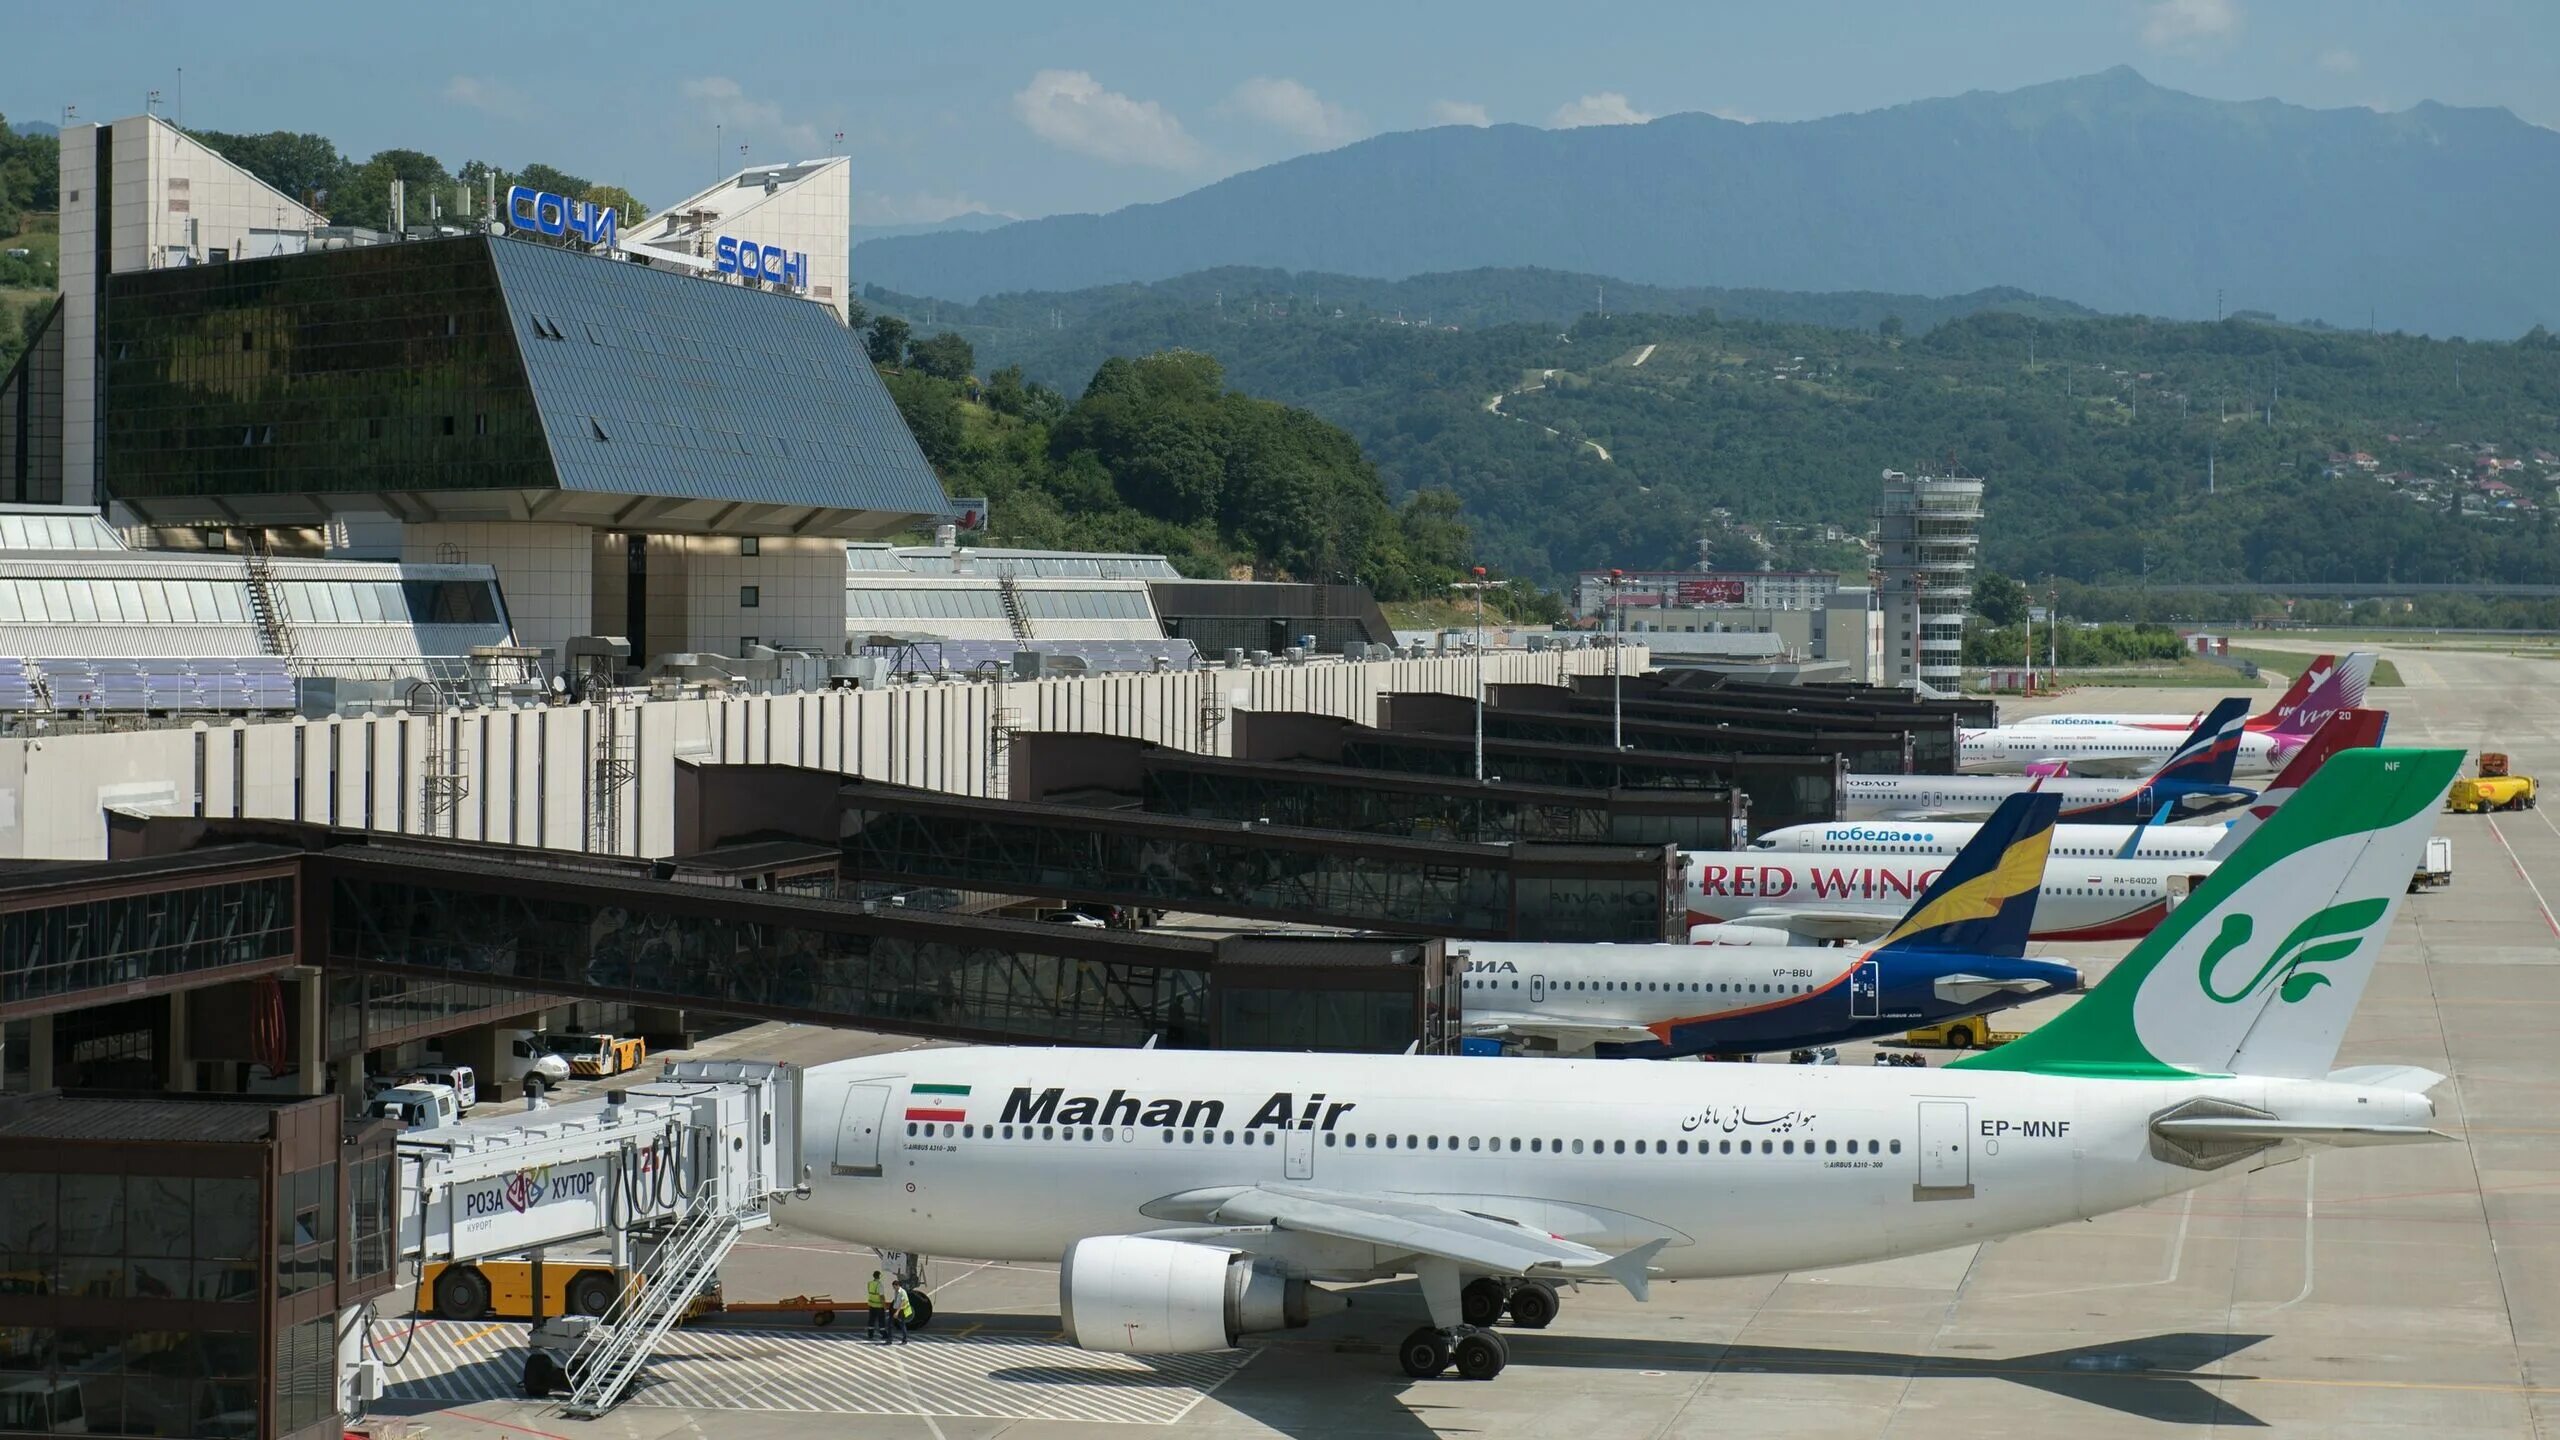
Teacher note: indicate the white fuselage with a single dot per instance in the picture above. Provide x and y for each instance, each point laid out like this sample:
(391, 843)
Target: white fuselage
(1946, 837)
(1744, 1169)
(2079, 900)
(1966, 797)
(2121, 749)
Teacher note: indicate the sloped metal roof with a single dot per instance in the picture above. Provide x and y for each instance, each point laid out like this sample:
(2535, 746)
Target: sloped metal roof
(657, 384)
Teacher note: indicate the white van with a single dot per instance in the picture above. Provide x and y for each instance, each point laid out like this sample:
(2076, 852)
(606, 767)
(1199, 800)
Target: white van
(422, 1105)
(525, 1052)
(466, 1089)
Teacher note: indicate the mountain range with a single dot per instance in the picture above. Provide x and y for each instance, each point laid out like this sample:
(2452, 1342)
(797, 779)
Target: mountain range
(2107, 191)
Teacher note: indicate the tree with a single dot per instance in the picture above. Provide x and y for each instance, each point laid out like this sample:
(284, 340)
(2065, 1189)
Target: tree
(305, 166)
(1005, 392)
(932, 414)
(549, 181)
(1999, 599)
(365, 196)
(627, 210)
(855, 315)
(1890, 327)
(886, 339)
(945, 356)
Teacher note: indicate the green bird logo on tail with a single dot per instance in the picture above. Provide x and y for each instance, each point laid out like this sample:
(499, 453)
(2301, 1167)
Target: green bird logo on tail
(2331, 934)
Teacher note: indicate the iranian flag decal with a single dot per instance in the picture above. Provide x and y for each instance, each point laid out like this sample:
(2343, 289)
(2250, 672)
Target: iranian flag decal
(938, 1102)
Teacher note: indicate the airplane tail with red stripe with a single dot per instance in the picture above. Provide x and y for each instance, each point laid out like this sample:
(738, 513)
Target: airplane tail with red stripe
(2342, 688)
(2346, 730)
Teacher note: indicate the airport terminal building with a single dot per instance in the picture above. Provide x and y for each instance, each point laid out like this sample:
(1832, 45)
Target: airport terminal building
(636, 450)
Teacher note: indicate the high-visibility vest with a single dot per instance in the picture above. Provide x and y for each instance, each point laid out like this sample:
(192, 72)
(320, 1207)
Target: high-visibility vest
(877, 1300)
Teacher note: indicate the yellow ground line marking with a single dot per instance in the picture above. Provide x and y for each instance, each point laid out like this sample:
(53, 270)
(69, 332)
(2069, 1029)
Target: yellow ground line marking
(483, 1330)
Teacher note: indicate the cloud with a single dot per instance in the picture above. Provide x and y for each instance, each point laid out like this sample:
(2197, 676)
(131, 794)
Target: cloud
(1288, 106)
(725, 102)
(872, 207)
(1606, 107)
(2188, 26)
(2340, 62)
(1071, 110)
(476, 92)
(1458, 112)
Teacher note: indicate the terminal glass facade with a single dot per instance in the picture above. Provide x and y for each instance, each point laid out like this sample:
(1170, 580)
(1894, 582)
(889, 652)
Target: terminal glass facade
(564, 943)
(1875, 755)
(31, 420)
(1784, 790)
(1330, 803)
(53, 950)
(389, 367)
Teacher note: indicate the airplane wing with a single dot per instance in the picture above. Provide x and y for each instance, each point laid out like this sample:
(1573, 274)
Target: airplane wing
(1421, 1227)
(1564, 1030)
(1820, 924)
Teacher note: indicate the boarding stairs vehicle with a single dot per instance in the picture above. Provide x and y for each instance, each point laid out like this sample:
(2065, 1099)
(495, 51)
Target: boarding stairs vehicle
(673, 1170)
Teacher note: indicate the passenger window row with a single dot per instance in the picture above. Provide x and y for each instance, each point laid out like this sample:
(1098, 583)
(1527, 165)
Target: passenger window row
(1674, 986)
(1535, 1145)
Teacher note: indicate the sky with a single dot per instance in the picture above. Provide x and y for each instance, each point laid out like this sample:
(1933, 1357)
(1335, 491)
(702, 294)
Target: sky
(1017, 108)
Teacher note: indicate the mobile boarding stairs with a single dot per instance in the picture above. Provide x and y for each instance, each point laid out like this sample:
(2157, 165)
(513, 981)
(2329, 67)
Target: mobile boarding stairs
(673, 1171)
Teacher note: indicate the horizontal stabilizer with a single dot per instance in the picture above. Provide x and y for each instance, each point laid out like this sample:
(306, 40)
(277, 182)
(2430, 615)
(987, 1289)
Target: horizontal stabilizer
(1564, 1030)
(2308, 1132)
(1974, 989)
(2416, 1079)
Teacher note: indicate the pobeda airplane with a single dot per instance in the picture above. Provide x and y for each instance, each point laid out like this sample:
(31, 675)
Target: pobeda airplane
(1960, 949)
(2192, 783)
(1198, 1197)
(2346, 730)
(2092, 749)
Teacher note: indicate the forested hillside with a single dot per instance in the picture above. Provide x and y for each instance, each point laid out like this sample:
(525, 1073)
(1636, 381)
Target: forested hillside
(2096, 433)
(1156, 454)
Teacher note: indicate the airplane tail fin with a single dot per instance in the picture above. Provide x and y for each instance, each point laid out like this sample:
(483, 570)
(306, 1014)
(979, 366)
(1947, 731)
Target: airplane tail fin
(1984, 902)
(2211, 748)
(2311, 676)
(2342, 689)
(2259, 971)
(2346, 730)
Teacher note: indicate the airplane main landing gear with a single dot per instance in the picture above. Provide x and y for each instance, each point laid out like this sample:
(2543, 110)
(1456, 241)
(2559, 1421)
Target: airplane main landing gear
(1480, 1354)
(1482, 1301)
(1533, 1305)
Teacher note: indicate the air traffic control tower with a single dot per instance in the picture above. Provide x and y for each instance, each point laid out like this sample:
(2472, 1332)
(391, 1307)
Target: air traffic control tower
(636, 449)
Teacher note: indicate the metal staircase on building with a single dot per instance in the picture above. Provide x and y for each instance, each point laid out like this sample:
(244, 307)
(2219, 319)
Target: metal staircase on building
(1013, 615)
(653, 1299)
(265, 605)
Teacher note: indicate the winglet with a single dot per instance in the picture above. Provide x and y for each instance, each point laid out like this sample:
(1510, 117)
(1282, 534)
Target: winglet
(1634, 1269)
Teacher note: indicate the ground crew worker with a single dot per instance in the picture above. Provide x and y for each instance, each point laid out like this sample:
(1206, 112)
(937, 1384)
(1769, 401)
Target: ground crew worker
(901, 1309)
(879, 1331)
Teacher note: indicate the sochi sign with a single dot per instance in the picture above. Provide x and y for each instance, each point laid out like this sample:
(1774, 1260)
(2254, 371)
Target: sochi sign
(769, 263)
(557, 215)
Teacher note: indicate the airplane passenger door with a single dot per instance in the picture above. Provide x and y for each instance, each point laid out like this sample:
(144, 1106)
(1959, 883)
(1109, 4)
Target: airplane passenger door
(858, 1132)
(2145, 801)
(1866, 990)
(1946, 1160)
(1537, 989)
(1300, 1155)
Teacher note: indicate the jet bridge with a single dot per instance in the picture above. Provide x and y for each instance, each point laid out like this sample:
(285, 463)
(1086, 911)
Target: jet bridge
(677, 1169)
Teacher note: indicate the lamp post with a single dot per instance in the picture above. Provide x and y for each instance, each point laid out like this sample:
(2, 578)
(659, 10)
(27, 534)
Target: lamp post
(1479, 585)
(1617, 663)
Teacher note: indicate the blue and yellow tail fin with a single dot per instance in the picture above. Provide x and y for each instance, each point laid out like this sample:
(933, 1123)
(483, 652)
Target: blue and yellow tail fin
(1984, 902)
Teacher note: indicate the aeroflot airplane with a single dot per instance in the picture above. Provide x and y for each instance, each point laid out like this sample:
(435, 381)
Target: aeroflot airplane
(2126, 749)
(2344, 682)
(2193, 783)
(2346, 730)
(1198, 1197)
(1960, 950)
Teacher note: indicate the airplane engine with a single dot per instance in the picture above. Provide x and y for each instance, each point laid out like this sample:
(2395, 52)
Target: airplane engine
(1735, 932)
(1134, 1296)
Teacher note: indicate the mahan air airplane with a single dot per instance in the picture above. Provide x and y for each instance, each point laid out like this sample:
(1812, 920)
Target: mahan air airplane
(1191, 1199)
